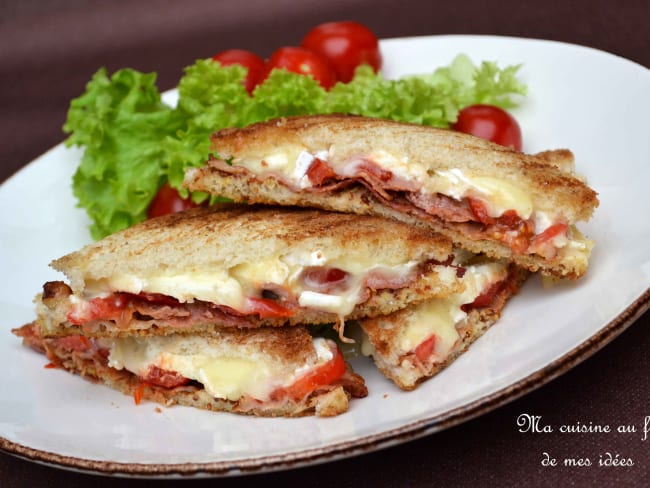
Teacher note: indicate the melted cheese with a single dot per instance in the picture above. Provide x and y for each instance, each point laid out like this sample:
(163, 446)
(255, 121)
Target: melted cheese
(440, 317)
(227, 370)
(232, 286)
(498, 194)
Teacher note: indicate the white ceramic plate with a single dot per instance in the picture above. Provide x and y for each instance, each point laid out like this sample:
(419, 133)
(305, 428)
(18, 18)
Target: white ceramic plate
(589, 101)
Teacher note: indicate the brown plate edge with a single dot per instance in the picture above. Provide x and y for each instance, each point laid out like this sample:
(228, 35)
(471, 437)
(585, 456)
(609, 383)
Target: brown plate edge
(350, 448)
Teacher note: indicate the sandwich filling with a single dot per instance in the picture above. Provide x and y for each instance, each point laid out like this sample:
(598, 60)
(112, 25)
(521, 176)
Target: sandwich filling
(272, 288)
(418, 339)
(486, 207)
(234, 366)
(228, 371)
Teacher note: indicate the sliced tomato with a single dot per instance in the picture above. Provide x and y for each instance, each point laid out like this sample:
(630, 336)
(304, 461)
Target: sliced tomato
(480, 211)
(425, 349)
(319, 171)
(510, 219)
(549, 233)
(110, 307)
(267, 308)
(324, 374)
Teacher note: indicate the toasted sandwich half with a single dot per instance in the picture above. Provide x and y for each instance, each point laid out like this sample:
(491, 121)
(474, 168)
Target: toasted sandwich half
(244, 267)
(414, 344)
(485, 197)
(265, 372)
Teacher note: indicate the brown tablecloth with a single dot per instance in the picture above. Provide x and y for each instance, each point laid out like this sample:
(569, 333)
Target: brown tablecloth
(50, 48)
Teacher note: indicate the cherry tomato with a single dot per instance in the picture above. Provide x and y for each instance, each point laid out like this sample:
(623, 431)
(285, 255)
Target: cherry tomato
(490, 122)
(301, 61)
(345, 45)
(167, 201)
(247, 59)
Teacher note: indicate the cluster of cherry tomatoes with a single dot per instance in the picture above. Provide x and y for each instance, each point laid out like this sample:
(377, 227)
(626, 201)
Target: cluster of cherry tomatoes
(330, 53)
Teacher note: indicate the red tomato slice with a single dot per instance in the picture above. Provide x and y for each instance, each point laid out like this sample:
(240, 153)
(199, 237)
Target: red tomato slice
(267, 308)
(486, 298)
(324, 374)
(247, 59)
(480, 211)
(167, 201)
(345, 45)
(425, 349)
(549, 233)
(319, 171)
(301, 61)
(109, 307)
(490, 122)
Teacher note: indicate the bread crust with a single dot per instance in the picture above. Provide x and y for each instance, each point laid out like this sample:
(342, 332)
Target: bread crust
(439, 149)
(220, 238)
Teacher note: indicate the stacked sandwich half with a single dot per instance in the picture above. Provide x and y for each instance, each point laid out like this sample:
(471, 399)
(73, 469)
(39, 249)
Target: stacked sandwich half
(417, 235)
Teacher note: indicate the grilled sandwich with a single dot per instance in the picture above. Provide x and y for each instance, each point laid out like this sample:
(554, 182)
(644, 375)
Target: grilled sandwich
(264, 372)
(244, 267)
(486, 198)
(414, 344)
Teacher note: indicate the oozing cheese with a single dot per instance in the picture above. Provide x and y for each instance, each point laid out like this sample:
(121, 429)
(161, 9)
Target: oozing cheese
(232, 286)
(227, 370)
(499, 195)
(441, 316)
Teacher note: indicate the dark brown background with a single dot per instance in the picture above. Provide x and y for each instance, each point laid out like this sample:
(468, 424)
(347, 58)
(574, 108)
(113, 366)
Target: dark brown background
(50, 48)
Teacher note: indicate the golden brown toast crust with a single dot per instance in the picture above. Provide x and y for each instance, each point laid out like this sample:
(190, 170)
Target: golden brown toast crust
(207, 238)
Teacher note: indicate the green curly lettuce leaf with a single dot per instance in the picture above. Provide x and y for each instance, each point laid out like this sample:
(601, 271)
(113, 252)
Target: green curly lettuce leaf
(134, 143)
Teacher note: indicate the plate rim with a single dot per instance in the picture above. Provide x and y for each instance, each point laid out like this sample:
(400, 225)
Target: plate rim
(370, 443)
(347, 449)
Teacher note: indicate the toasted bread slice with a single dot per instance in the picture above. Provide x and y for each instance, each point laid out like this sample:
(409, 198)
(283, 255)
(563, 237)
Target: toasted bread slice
(414, 344)
(485, 197)
(254, 372)
(244, 267)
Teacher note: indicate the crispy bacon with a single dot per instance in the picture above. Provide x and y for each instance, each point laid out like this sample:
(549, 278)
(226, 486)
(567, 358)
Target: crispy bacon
(406, 196)
(442, 206)
(31, 336)
(163, 377)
